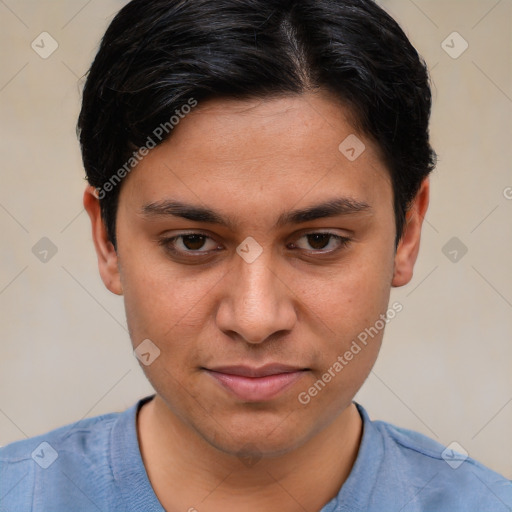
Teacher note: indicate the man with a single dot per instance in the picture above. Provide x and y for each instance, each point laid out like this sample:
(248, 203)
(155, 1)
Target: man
(258, 177)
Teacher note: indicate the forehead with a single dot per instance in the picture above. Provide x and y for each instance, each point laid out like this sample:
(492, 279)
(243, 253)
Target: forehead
(262, 152)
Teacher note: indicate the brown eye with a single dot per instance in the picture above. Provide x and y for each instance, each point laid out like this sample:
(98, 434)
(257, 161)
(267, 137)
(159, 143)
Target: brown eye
(319, 240)
(193, 242)
(322, 240)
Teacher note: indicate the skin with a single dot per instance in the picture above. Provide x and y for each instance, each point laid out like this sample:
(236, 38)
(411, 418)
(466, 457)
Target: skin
(300, 302)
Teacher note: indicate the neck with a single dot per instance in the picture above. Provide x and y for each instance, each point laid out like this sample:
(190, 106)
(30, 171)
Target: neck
(186, 472)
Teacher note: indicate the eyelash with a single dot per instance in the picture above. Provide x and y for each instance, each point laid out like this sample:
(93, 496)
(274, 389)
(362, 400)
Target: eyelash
(167, 243)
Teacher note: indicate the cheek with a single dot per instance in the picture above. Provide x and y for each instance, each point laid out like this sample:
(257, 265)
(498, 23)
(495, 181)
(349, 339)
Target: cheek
(351, 296)
(349, 308)
(170, 312)
(347, 349)
(166, 304)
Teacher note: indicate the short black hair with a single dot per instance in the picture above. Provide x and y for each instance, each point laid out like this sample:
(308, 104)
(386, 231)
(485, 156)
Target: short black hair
(158, 55)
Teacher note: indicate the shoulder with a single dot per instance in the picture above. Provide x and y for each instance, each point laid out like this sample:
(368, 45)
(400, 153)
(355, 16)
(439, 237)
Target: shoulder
(443, 477)
(75, 455)
(82, 438)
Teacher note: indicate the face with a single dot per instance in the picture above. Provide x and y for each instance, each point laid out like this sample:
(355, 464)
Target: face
(252, 253)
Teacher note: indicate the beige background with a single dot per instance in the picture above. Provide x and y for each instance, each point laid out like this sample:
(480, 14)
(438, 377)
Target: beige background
(445, 367)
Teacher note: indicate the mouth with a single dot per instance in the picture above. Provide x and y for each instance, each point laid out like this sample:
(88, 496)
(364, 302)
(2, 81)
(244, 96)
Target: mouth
(256, 384)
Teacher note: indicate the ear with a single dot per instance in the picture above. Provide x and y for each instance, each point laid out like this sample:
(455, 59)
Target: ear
(409, 245)
(107, 256)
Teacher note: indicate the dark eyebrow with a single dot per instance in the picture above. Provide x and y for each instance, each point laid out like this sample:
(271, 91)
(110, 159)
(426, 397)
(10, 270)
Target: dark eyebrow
(330, 208)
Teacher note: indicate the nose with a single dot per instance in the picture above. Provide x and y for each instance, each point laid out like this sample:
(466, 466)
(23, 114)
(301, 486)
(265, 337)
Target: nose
(258, 302)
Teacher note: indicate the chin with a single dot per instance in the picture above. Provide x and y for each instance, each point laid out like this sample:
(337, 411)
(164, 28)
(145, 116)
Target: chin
(255, 434)
(255, 445)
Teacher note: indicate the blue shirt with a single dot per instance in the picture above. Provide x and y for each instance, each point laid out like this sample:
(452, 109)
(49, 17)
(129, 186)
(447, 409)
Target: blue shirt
(96, 465)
